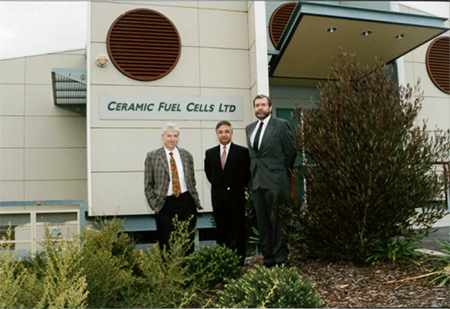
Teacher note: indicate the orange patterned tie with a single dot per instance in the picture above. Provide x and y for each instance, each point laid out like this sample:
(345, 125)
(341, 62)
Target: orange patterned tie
(176, 188)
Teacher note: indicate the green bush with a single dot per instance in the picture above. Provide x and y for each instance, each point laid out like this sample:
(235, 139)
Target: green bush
(270, 288)
(105, 271)
(214, 264)
(372, 176)
(250, 223)
(56, 282)
(394, 249)
(108, 261)
(16, 282)
(165, 280)
(64, 283)
(442, 269)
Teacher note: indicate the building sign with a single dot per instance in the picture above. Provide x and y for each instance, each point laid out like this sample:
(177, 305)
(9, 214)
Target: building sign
(150, 107)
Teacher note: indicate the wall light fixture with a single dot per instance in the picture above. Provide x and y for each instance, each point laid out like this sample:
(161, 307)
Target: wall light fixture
(102, 61)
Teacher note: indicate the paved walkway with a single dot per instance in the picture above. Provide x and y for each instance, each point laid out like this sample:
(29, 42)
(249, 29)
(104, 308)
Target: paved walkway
(442, 234)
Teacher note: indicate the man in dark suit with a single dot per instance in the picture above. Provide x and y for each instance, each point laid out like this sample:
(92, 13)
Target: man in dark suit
(170, 185)
(272, 154)
(227, 167)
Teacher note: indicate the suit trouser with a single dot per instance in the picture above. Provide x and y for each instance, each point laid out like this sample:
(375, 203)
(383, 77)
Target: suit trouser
(184, 207)
(271, 226)
(229, 215)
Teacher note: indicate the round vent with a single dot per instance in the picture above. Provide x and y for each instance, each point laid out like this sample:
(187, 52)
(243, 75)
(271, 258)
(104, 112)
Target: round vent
(143, 44)
(438, 63)
(279, 20)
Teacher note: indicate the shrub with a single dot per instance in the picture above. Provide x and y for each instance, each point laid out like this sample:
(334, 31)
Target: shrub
(56, 281)
(214, 264)
(165, 280)
(394, 249)
(442, 269)
(373, 173)
(270, 288)
(108, 259)
(16, 282)
(251, 224)
(63, 281)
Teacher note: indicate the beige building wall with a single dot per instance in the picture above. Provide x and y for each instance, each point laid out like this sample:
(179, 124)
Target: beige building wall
(216, 60)
(436, 104)
(49, 153)
(42, 146)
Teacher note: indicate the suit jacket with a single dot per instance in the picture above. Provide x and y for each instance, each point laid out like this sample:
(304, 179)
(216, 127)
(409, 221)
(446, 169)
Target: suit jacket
(236, 174)
(270, 166)
(157, 177)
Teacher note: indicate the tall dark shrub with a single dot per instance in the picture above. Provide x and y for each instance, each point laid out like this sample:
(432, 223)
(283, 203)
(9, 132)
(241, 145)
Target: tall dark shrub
(372, 177)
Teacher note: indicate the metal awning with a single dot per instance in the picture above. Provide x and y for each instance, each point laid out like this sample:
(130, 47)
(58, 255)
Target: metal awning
(69, 89)
(318, 32)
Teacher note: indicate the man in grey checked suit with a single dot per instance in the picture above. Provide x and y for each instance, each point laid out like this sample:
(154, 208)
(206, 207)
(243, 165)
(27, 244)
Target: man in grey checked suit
(272, 155)
(158, 185)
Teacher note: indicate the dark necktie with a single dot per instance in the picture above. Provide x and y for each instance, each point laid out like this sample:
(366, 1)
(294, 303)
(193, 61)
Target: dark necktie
(257, 135)
(176, 188)
(223, 157)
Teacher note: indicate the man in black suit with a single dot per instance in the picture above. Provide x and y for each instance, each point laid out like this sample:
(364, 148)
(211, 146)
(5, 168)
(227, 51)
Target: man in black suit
(272, 154)
(227, 167)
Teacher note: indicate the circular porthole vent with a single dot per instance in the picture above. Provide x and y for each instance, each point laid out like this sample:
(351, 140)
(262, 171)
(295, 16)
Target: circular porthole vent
(279, 20)
(143, 44)
(438, 63)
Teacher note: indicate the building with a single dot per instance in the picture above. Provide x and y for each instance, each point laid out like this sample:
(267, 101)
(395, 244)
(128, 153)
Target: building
(76, 125)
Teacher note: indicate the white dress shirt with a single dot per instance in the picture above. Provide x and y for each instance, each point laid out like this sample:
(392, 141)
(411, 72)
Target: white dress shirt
(227, 150)
(252, 137)
(176, 156)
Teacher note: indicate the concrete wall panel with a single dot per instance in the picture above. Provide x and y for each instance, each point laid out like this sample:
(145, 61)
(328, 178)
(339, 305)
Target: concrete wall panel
(11, 131)
(12, 191)
(55, 190)
(235, 23)
(55, 164)
(59, 132)
(119, 194)
(12, 71)
(11, 164)
(12, 100)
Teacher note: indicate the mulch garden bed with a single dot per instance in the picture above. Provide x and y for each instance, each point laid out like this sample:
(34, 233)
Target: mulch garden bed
(385, 284)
